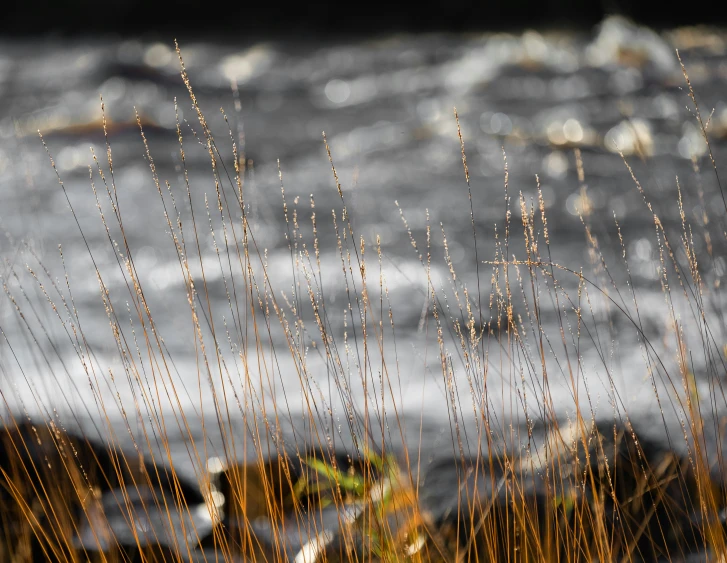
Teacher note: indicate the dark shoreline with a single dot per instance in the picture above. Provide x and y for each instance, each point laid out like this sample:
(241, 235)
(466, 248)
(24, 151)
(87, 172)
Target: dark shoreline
(449, 489)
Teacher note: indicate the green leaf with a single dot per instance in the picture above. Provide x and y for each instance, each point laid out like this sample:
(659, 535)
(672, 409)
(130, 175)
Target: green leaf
(568, 502)
(300, 487)
(349, 483)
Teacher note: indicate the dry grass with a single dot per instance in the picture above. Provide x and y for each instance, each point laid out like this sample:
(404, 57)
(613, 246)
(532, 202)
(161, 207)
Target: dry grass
(548, 490)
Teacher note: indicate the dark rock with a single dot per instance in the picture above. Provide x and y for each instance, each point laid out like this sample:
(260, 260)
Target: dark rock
(53, 483)
(597, 490)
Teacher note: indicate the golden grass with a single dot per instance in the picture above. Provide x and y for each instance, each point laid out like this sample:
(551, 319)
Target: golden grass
(551, 490)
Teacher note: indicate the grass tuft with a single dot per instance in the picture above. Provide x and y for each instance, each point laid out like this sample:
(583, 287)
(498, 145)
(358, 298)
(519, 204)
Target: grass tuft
(326, 470)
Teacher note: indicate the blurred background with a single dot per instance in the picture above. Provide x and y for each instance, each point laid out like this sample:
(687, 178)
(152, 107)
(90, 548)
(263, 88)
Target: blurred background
(535, 79)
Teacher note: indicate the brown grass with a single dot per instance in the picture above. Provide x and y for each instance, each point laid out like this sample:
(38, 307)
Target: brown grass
(269, 485)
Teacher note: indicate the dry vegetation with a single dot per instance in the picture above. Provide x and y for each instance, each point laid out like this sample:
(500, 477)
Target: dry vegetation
(551, 490)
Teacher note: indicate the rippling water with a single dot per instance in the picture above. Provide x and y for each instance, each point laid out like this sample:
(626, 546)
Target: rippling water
(386, 106)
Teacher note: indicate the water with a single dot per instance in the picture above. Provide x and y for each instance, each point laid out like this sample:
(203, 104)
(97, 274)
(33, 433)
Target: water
(386, 106)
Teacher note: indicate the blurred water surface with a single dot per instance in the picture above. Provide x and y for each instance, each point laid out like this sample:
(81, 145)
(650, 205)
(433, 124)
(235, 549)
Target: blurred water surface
(386, 106)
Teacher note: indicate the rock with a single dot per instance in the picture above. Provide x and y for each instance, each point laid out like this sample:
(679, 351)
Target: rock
(43, 451)
(593, 489)
(646, 495)
(324, 507)
(265, 488)
(53, 484)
